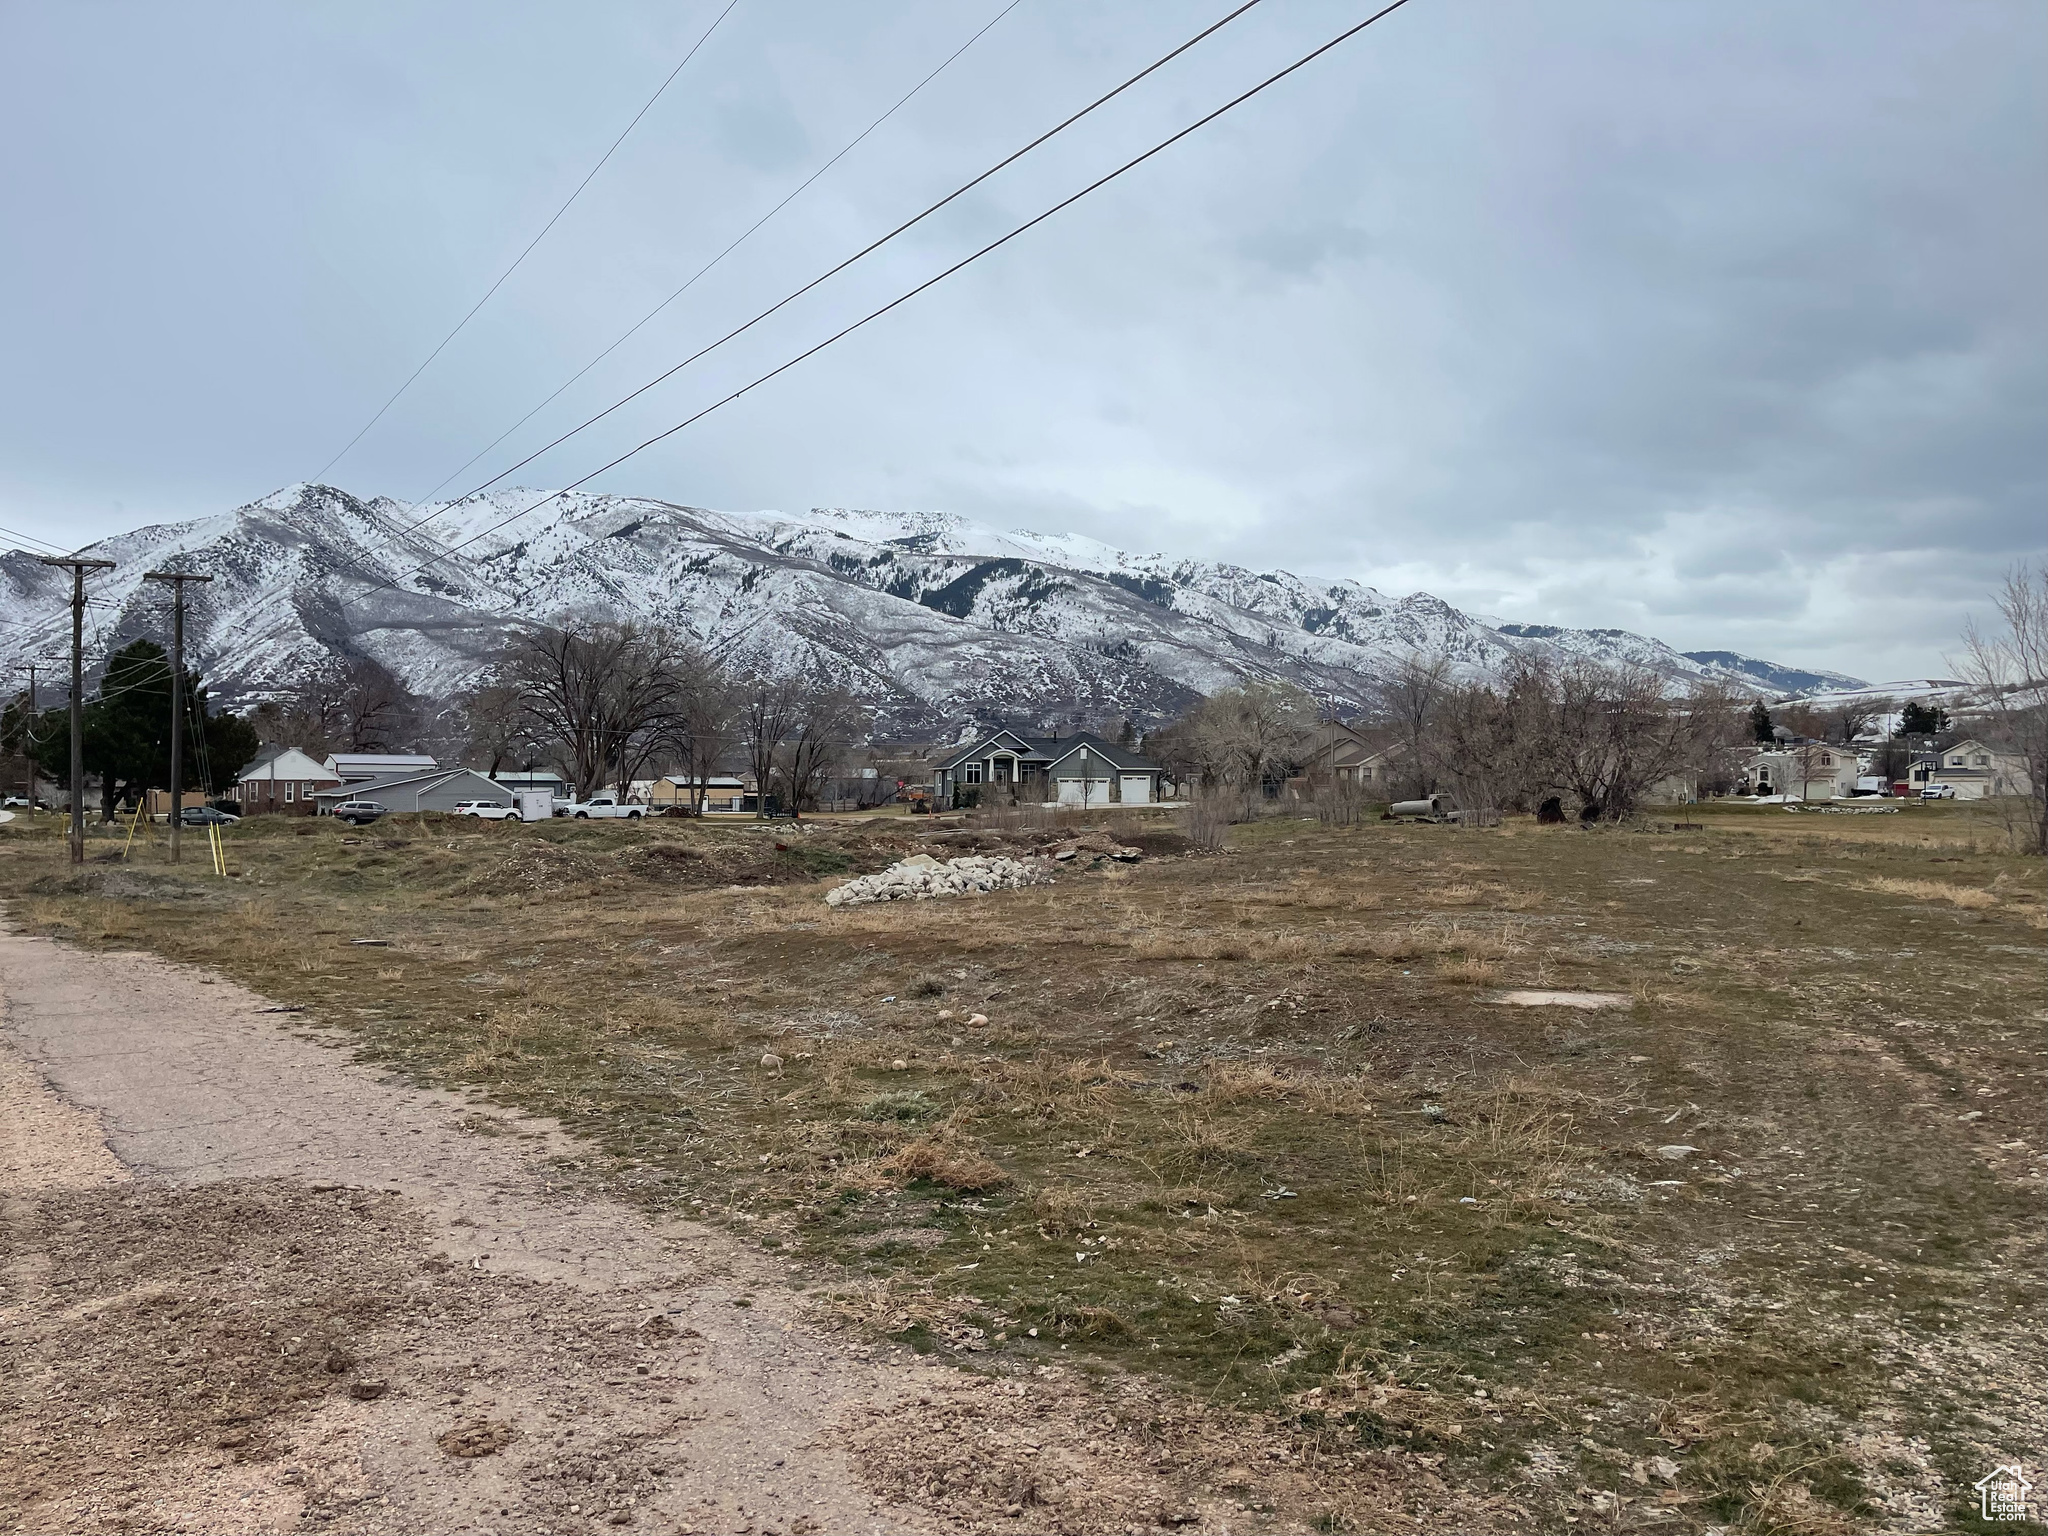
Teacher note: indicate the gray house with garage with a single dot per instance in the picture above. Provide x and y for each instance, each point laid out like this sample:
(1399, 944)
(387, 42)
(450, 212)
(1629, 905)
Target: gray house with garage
(1010, 768)
(440, 790)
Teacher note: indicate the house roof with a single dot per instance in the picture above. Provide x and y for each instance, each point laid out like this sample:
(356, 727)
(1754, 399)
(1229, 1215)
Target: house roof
(1028, 748)
(380, 762)
(368, 789)
(716, 781)
(262, 766)
(1123, 759)
(1050, 750)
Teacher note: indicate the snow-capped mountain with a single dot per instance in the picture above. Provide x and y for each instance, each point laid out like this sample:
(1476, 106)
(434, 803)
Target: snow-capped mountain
(935, 620)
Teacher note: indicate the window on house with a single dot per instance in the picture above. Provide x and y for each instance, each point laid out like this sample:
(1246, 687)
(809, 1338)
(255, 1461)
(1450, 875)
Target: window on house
(1826, 760)
(1955, 762)
(973, 774)
(1983, 760)
(289, 789)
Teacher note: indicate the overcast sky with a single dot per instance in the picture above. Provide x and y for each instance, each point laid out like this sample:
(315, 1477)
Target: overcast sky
(1722, 322)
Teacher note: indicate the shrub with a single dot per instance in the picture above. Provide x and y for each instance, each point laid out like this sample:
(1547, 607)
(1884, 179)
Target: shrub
(909, 1105)
(1206, 821)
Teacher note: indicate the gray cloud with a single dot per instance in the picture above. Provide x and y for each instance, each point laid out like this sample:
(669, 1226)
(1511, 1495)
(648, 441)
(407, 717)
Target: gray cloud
(1721, 323)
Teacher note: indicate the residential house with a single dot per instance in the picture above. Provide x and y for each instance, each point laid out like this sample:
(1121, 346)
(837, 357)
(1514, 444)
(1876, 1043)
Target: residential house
(1012, 768)
(722, 792)
(1338, 755)
(437, 789)
(1802, 770)
(282, 781)
(350, 767)
(1976, 770)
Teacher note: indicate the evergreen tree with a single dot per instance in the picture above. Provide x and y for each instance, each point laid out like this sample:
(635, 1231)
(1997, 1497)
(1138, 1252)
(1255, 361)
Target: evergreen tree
(126, 731)
(1760, 723)
(1922, 719)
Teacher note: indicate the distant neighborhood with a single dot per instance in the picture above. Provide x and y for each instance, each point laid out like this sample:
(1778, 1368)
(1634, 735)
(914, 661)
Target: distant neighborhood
(617, 721)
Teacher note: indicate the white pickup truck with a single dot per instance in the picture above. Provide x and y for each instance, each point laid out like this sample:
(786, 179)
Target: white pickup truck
(600, 807)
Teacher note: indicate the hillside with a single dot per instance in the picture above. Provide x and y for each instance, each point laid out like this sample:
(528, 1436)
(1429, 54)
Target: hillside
(937, 621)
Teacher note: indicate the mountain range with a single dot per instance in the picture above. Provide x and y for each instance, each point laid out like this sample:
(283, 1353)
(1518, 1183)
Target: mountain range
(936, 621)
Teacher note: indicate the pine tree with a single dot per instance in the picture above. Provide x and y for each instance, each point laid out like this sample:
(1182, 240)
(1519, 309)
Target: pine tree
(1760, 722)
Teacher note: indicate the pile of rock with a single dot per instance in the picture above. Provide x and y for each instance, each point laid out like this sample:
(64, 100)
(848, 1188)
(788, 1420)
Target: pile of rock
(1095, 845)
(921, 876)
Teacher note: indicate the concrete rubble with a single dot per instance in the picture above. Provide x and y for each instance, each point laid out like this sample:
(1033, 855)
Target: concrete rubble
(921, 877)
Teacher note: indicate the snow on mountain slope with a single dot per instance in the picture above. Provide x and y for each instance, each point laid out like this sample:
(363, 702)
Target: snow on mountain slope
(935, 620)
(1784, 681)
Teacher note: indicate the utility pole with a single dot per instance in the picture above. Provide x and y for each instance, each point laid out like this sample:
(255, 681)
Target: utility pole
(177, 579)
(78, 569)
(29, 789)
(28, 734)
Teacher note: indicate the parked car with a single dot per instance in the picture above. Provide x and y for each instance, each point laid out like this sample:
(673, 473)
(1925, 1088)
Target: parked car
(359, 813)
(1937, 792)
(207, 816)
(600, 806)
(488, 810)
(23, 803)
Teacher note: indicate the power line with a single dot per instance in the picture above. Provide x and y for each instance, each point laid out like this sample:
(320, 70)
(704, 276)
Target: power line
(536, 240)
(903, 298)
(957, 192)
(744, 236)
(736, 244)
(29, 538)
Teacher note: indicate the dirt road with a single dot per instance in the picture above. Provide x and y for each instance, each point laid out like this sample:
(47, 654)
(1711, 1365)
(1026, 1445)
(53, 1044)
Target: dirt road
(249, 1283)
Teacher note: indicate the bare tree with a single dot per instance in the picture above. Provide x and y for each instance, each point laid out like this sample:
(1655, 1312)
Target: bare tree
(493, 725)
(1846, 719)
(1407, 703)
(1489, 741)
(1602, 735)
(827, 720)
(1611, 733)
(698, 732)
(1240, 737)
(2008, 669)
(377, 711)
(767, 710)
(598, 692)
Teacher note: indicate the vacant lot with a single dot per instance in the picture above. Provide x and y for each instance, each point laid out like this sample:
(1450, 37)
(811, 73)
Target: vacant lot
(1246, 1133)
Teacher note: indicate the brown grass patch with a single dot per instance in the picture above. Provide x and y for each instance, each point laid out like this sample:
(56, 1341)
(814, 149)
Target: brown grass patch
(1970, 897)
(1061, 1210)
(1470, 971)
(943, 1160)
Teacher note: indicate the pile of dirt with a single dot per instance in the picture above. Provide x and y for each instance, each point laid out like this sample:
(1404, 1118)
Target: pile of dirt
(536, 867)
(759, 858)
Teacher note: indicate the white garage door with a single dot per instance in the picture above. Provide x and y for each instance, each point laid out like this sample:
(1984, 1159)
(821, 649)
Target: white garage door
(1137, 789)
(1070, 791)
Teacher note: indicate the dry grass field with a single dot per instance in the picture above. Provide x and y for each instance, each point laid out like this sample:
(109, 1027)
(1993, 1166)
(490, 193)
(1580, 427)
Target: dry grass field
(1758, 1247)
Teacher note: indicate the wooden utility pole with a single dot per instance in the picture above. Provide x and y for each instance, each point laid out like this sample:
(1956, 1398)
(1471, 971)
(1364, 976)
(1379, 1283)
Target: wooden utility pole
(177, 579)
(28, 790)
(78, 569)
